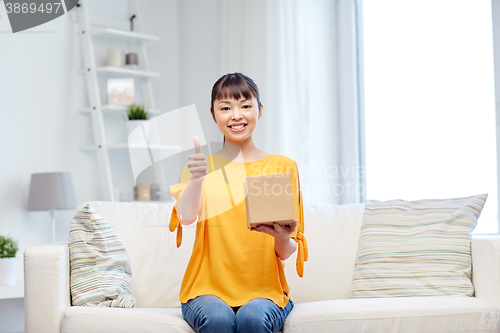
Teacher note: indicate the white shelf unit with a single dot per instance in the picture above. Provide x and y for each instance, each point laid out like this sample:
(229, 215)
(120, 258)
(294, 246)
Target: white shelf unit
(114, 30)
(13, 291)
(120, 71)
(117, 108)
(119, 33)
(126, 146)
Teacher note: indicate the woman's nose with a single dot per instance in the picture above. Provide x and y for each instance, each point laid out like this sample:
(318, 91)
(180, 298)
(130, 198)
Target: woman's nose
(236, 114)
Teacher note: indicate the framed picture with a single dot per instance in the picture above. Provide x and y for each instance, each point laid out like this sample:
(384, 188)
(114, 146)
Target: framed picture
(121, 91)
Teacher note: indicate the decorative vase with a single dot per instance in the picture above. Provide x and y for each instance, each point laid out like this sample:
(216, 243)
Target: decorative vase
(115, 58)
(8, 271)
(131, 60)
(133, 124)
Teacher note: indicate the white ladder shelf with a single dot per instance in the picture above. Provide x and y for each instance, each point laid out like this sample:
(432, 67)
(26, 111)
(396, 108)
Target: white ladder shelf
(118, 30)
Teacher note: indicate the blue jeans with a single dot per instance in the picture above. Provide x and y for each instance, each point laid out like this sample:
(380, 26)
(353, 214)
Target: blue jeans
(209, 313)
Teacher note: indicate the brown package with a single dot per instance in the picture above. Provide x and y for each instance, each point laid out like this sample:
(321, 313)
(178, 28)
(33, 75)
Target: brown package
(269, 199)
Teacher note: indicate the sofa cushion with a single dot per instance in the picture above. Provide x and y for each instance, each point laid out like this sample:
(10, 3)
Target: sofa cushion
(100, 273)
(405, 314)
(394, 315)
(157, 264)
(86, 320)
(332, 233)
(416, 248)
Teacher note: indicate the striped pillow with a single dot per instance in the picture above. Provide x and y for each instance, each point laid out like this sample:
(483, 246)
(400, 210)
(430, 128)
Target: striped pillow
(100, 273)
(416, 248)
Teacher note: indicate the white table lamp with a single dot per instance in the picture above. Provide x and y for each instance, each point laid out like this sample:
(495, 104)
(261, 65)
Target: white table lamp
(51, 191)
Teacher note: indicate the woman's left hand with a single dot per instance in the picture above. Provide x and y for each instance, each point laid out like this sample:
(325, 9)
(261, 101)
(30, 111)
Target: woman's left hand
(279, 232)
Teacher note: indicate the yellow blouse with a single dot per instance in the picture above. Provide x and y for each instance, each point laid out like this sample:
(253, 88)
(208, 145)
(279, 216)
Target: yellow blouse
(229, 260)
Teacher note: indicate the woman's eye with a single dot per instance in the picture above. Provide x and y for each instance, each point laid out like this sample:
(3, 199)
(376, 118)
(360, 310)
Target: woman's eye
(247, 106)
(225, 108)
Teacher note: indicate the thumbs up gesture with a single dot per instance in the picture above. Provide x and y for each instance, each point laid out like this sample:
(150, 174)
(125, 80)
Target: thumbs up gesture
(197, 163)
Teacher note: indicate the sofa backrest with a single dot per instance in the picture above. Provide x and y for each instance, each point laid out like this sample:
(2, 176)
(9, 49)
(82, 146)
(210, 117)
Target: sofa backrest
(332, 233)
(158, 266)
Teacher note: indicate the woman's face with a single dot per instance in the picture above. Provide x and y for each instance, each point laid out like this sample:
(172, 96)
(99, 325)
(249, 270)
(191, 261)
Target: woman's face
(229, 113)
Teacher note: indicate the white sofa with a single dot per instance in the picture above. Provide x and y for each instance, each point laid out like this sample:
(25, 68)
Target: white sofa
(320, 297)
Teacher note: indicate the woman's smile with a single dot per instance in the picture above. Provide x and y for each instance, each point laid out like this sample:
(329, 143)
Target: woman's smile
(237, 128)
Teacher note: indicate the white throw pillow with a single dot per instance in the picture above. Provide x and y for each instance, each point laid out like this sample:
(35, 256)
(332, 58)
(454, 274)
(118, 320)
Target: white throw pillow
(416, 248)
(332, 233)
(100, 272)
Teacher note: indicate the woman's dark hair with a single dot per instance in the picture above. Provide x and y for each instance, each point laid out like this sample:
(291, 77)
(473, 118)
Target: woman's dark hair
(234, 85)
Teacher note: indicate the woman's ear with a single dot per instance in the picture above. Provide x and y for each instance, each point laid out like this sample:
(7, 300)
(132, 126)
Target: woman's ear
(260, 111)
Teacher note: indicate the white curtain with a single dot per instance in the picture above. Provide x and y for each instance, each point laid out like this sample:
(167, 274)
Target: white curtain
(304, 57)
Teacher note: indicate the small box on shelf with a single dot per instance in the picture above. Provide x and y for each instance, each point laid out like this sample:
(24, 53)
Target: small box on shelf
(147, 192)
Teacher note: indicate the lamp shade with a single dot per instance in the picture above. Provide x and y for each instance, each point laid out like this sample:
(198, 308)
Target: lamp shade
(53, 190)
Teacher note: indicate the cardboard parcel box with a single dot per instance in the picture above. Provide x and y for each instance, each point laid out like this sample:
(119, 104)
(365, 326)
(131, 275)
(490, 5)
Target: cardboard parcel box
(269, 199)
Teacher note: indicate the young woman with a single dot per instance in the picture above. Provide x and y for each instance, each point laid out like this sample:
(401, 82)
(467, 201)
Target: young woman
(234, 281)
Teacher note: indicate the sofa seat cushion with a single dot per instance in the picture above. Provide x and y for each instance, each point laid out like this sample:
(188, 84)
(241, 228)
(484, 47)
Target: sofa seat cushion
(79, 319)
(395, 314)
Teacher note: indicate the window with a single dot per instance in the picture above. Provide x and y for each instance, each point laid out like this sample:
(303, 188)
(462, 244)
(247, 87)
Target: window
(430, 102)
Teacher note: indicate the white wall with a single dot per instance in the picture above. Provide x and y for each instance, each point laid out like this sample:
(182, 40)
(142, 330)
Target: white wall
(199, 45)
(41, 129)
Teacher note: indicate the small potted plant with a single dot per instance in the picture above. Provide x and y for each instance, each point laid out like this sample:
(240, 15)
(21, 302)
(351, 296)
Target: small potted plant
(136, 117)
(8, 250)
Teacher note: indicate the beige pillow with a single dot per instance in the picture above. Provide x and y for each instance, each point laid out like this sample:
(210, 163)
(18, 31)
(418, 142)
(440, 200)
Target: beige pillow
(100, 273)
(416, 248)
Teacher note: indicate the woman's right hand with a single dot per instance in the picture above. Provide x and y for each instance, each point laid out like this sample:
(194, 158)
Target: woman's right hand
(197, 163)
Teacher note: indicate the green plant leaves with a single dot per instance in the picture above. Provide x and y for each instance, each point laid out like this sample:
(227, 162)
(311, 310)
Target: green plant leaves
(137, 112)
(8, 247)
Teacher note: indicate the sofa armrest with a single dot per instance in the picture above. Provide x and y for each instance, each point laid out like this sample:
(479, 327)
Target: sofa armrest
(46, 287)
(486, 267)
